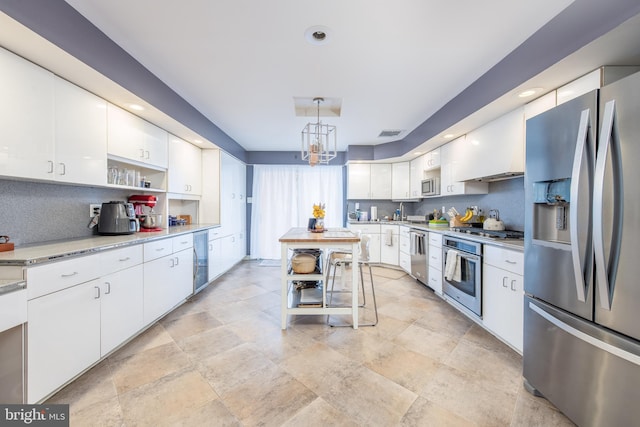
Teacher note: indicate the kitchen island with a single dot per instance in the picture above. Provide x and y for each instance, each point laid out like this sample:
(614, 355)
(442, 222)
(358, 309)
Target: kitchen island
(332, 239)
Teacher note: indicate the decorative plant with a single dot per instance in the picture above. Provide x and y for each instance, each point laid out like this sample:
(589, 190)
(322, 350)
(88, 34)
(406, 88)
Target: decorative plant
(318, 210)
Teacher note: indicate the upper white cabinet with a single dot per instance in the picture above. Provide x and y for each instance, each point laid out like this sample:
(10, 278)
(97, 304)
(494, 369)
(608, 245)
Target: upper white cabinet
(133, 138)
(185, 167)
(80, 135)
(369, 181)
(401, 181)
(450, 155)
(492, 151)
(416, 175)
(432, 160)
(26, 118)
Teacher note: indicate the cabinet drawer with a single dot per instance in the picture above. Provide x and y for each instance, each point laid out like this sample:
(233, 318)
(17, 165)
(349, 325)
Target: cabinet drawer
(405, 261)
(435, 280)
(184, 241)
(505, 259)
(405, 243)
(48, 278)
(157, 249)
(214, 233)
(119, 259)
(365, 228)
(435, 239)
(435, 257)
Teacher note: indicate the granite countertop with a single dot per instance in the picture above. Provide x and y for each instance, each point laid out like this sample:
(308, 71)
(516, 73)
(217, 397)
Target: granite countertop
(515, 244)
(36, 253)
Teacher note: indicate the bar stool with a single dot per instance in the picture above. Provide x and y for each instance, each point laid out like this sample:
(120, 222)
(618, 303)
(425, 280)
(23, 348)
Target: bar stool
(341, 259)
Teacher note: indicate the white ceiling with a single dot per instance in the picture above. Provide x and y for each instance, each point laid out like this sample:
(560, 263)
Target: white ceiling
(389, 65)
(242, 63)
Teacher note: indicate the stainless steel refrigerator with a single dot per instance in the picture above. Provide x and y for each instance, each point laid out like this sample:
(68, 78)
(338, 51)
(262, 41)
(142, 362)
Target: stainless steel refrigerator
(582, 256)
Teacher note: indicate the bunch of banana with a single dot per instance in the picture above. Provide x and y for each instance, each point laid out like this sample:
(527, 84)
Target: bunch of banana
(467, 216)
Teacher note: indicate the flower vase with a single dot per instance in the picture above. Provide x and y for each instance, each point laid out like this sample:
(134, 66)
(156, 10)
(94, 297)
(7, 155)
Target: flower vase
(319, 224)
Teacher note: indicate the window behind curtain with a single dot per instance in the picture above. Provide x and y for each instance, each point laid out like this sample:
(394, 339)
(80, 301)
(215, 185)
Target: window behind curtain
(283, 197)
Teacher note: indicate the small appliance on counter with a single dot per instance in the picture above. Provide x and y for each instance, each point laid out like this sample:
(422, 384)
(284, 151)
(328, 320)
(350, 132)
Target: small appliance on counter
(143, 208)
(116, 218)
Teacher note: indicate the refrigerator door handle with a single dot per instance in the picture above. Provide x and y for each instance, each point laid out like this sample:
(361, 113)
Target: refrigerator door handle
(603, 280)
(578, 262)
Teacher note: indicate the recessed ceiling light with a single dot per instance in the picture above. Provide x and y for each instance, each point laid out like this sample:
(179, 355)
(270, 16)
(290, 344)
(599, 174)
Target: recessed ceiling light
(197, 141)
(529, 92)
(417, 153)
(449, 135)
(136, 107)
(318, 35)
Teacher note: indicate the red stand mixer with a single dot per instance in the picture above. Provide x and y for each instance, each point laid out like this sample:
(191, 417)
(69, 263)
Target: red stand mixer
(143, 207)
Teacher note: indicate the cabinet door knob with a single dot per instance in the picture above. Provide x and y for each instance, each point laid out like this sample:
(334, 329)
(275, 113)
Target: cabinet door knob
(69, 275)
(504, 282)
(513, 285)
(63, 168)
(108, 291)
(97, 288)
(50, 170)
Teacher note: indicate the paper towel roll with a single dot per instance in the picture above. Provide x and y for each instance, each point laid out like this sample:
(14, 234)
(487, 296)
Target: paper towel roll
(374, 213)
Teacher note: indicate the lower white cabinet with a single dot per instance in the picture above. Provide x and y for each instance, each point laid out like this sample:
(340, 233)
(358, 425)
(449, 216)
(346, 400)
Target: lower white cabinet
(63, 337)
(168, 280)
(503, 294)
(121, 296)
(389, 244)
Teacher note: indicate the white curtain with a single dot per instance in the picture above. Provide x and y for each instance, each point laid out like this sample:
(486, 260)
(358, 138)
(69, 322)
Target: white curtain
(283, 197)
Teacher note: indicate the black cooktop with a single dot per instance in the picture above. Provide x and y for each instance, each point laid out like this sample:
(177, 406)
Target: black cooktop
(503, 234)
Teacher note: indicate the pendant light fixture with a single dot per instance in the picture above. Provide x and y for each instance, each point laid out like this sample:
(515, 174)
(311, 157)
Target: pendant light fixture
(319, 140)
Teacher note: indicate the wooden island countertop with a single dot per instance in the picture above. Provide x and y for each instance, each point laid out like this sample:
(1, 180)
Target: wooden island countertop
(332, 235)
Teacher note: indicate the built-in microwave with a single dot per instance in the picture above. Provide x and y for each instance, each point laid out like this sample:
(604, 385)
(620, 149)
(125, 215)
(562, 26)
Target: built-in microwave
(431, 186)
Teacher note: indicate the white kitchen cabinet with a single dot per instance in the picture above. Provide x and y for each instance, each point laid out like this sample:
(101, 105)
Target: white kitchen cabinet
(390, 244)
(404, 250)
(63, 338)
(373, 231)
(210, 200)
(121, 299)
(416, 175)
(450, 155)
(434, 262)
(132, 138)
(185, 167)
(369, 181)
(168, 279)
(503, 295)
(80, 135)
(26, 118)
(401, 181)
(63, 320)
(495, 150)
(432, 160)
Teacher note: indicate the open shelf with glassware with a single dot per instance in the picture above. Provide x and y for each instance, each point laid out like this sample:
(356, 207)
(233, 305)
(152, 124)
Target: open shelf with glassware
(129, 174)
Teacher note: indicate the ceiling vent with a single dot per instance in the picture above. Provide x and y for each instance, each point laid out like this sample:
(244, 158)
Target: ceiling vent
(388, 133)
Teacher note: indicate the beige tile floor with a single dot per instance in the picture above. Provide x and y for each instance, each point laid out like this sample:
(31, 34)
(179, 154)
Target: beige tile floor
(221, 359)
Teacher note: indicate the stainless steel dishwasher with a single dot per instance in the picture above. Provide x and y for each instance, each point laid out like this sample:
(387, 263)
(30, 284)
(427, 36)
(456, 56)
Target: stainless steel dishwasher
(13, 306)
(418, 251)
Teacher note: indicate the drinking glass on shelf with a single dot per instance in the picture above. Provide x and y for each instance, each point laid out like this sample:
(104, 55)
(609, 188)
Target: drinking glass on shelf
(122, 176)
(112, 175)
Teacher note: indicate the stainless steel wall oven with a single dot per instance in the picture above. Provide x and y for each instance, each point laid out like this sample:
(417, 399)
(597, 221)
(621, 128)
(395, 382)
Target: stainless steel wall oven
(462, 272)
